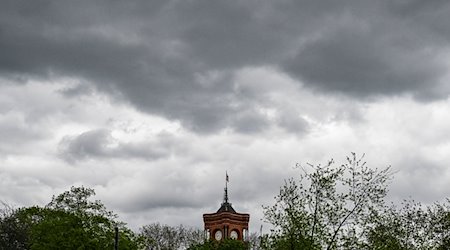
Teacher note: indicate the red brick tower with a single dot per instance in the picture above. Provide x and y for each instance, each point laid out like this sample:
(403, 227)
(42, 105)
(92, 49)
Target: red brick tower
(226, 222)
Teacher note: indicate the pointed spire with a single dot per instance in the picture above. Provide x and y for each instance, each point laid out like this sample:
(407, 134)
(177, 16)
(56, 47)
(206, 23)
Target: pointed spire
(225, 197)
(226, 206)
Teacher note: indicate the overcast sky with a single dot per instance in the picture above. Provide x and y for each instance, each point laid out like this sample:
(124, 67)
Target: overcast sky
(150, 102)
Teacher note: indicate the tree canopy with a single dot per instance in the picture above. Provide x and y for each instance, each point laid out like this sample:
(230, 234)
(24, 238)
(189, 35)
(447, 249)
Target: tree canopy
(164, 237)
(343, 207)
(69, 221)
(227, 244)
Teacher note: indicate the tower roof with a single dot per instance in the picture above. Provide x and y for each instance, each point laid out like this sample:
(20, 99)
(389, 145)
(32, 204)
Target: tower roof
(226, 207)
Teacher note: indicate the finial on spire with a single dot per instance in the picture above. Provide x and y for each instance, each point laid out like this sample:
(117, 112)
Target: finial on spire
(225, 198)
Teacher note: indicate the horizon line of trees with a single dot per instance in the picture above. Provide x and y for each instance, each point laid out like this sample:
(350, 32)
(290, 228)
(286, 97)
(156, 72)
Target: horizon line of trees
(327, 206)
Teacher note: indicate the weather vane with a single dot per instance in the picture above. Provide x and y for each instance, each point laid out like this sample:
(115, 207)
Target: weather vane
(225, 198)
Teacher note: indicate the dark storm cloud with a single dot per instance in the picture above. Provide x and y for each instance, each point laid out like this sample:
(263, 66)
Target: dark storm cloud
(178, 58)
(362, 57)
(100, 144)
(78, 90)
(293, 123)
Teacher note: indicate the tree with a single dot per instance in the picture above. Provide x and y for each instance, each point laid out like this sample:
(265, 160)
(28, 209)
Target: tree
(53, 229)
(328, 207)
(96, 219)
(227, 244)
(162, 237)
(193, 236)
(254, 239)
(412, 226)
(13, 235)
(77, 201)
(386, 230)
(72, 221)
(165, 237)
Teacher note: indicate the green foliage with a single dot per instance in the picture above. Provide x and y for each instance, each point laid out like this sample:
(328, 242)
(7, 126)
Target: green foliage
(412, 226)
(71, 221)
(227, 244)
(386, 232)
(50, 229)
(291, 243)
(13, 235)
(77, 201)
(328, 207)
(342, 207)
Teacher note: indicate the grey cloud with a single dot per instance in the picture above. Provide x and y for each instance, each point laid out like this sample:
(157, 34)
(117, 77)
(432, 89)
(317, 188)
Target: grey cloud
(162, 199)
(150, 54)
(292, 122)
(78, 90)
(419, 168)
(370, 56)
(18, 135)
(418, 9)
(190, 192)
(233, 34)
(100, 144)
(15, 133)
(250, 122)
